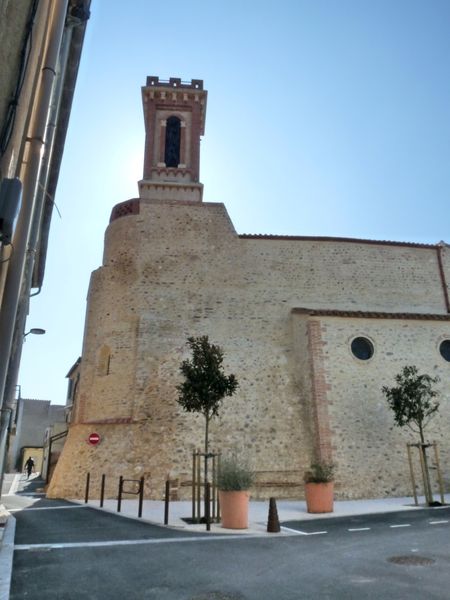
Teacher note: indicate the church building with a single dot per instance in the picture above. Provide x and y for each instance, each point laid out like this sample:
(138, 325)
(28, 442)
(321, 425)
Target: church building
(312, 328)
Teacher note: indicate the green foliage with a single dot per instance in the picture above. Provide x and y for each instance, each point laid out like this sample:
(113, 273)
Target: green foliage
(320, 472)
(412, 400)
(234, 475)
(205, 384)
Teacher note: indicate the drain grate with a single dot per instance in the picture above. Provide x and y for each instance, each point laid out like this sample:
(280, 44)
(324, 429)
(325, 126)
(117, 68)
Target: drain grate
(412, 561)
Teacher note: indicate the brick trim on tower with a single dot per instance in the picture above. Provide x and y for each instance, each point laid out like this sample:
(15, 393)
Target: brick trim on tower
(162, 142)
(129, 207)
(188, 102)
(111, 421)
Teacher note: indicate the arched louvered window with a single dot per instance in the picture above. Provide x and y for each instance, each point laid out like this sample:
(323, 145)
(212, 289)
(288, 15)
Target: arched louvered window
(173, 136)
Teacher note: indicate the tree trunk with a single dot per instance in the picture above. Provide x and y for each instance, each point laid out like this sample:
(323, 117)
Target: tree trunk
(205, 482)
(207, 417)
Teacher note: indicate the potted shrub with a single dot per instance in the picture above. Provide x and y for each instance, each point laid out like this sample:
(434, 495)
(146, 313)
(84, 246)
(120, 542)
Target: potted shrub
(319, 487)
(234, 481)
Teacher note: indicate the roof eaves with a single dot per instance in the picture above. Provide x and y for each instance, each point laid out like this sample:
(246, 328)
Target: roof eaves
(356, 314)
(307, 238)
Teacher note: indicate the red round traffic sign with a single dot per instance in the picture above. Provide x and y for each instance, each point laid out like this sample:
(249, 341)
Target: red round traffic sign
(94, 439)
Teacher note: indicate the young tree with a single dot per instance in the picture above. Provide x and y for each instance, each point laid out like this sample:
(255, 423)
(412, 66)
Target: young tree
(413, 403)
(205, 384)
(412, 400)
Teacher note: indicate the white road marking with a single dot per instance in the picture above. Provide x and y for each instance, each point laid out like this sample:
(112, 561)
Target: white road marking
(437, 522)
(403, 525)
(359, 529)
(69, 545)
(293, 530)
(28, 508)
(299, 532)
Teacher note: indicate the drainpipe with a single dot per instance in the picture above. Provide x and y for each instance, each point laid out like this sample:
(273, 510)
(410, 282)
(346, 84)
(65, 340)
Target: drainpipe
(16, 267)
(24, 302)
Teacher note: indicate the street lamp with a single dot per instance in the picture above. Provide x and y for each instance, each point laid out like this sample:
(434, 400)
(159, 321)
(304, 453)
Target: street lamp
(34, 331)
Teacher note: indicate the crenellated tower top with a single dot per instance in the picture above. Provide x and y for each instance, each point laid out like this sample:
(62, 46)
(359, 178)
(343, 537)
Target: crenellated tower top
(174, 113)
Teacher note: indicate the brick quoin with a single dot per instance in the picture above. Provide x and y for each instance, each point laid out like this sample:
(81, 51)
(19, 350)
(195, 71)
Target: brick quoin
(321, 418)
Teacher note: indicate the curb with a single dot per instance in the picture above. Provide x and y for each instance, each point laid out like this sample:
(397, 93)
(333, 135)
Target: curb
(6, 557)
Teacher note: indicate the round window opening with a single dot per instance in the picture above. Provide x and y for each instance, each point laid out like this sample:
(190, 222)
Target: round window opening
(444, 349)
(362, 348)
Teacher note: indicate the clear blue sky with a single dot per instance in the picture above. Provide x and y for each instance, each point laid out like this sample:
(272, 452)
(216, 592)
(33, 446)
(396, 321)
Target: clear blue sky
(325, 117)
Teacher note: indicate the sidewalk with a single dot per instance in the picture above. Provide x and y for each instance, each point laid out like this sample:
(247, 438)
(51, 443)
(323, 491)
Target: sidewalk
(7, 533)
(288, 510)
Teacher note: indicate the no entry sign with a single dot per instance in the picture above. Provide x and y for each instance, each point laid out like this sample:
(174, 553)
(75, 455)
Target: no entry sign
(94, 439)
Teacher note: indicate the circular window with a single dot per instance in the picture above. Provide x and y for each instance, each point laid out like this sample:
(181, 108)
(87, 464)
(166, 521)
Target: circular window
(362, 348)
(444, 349)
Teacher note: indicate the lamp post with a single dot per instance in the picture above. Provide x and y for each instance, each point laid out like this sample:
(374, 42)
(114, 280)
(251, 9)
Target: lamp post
(6, 408)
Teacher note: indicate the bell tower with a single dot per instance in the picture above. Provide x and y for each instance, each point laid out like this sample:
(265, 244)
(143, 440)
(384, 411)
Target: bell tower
(174, 113)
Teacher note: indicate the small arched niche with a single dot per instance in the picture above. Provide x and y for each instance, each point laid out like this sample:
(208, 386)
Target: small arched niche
(103, 360)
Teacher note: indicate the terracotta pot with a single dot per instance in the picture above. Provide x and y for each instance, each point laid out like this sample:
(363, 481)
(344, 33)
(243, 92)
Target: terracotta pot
(234, 509)
(319, 497)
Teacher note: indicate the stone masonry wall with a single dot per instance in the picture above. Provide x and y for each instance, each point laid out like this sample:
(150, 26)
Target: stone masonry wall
(179, 269)
(368, 449)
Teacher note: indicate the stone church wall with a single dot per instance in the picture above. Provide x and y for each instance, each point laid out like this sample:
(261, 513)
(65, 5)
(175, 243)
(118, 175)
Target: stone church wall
(368, 449)
(179, 269)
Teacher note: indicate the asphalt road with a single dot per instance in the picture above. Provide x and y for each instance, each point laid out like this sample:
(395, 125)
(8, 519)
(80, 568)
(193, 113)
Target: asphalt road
(65, 552)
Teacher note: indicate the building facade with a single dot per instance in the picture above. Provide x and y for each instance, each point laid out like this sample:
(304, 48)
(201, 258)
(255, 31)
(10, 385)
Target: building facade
(33, 419)
(40, 54)
(311, 327)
